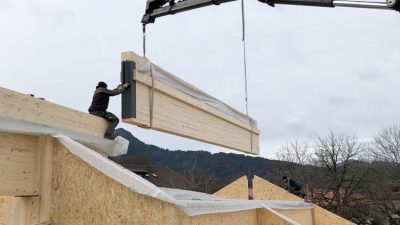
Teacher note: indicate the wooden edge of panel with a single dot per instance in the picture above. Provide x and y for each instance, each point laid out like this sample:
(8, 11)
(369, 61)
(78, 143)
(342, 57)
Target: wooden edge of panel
(159, 86)
(131, 56)
(254, 151)
(20, 102)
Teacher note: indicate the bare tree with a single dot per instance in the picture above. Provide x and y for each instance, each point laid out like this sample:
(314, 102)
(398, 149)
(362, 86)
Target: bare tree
(386, 148)
(386, 152)
(206, 182)
(295, 152)
(339, 155)
(297, 156)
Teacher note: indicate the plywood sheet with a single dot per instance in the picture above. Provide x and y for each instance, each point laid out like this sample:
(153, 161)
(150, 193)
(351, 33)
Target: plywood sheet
(236, 190)
(302, 216)
(164, 108)
(268, 191)
(265, 217)
(82, 195)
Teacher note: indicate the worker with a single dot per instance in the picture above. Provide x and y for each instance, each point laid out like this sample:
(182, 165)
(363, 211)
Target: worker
(99, 106)
(292, 186)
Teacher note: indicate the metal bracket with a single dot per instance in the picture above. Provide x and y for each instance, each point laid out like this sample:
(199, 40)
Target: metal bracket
(128, 101)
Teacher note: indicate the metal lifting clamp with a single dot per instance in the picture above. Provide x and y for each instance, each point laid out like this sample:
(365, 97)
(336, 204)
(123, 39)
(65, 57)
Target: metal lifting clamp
(159, 8)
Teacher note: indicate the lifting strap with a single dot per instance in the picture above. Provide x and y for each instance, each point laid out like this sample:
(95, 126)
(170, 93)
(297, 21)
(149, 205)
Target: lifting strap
(252, 122)
(151, 96)
(144, 40)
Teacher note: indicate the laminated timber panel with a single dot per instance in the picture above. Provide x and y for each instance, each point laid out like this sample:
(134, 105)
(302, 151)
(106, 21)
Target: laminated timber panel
(163, 108)
(18, 168)
(4, 201)
(25, 171)
(83, 195)
(44, 112)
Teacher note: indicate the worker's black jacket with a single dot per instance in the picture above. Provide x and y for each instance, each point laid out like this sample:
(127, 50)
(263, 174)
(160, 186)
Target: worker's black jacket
(101, 98)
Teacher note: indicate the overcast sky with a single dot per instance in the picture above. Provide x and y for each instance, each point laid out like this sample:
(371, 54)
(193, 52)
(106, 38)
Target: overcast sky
(309, 69)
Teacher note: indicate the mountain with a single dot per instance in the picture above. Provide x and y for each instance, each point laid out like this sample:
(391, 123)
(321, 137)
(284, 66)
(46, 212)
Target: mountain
(220, 168)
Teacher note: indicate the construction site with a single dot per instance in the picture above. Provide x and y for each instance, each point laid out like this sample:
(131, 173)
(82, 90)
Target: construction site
(60, 166)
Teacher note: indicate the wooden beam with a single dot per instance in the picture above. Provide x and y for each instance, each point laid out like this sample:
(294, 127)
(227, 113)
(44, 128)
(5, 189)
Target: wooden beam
(164, 108)
(42, 111)
(45, 150)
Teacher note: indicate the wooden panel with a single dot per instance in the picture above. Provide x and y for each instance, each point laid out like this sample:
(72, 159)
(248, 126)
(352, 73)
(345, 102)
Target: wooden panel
(29, 210)
(302, 216)
(17, 164)
(177, 113)
(236, 190)
(32, 109)
(266, 217)
(264, 190)
(83, 195)
(324, 217)
(4, 202)
(22, 211)
(45, 149)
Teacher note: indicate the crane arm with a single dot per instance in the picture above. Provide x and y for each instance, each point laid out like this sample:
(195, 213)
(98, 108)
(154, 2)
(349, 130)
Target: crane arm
(159, 8)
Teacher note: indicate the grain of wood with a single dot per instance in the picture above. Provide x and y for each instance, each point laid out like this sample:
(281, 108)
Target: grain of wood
(179, 114)
(264, 190)
(45, 150)
(83, 195)
(265, 217)
(302, 216)
(32, 109)
(3, 209)
(17, 164)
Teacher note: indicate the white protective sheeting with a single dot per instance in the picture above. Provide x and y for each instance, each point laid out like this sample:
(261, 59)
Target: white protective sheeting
(173, 81)
(192, 203)
(112, 148)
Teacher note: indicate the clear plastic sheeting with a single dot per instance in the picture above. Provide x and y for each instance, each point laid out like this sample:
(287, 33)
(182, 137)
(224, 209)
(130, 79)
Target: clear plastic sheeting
(197, 203)
(118, 146)
(192, 203)
(171, 80)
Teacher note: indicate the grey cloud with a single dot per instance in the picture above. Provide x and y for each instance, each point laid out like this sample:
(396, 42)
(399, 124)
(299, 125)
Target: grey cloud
(339, 101)
(5, 4)
(369, 75)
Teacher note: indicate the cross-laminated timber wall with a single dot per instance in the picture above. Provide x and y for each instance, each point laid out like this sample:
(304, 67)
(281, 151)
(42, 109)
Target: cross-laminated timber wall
(159, 106)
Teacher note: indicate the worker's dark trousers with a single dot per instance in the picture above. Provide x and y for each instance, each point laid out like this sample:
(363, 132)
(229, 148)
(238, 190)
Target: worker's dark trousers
(111, 118)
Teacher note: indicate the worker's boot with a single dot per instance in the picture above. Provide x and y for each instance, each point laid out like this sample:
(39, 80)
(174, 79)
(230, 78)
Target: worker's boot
(110, 135)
